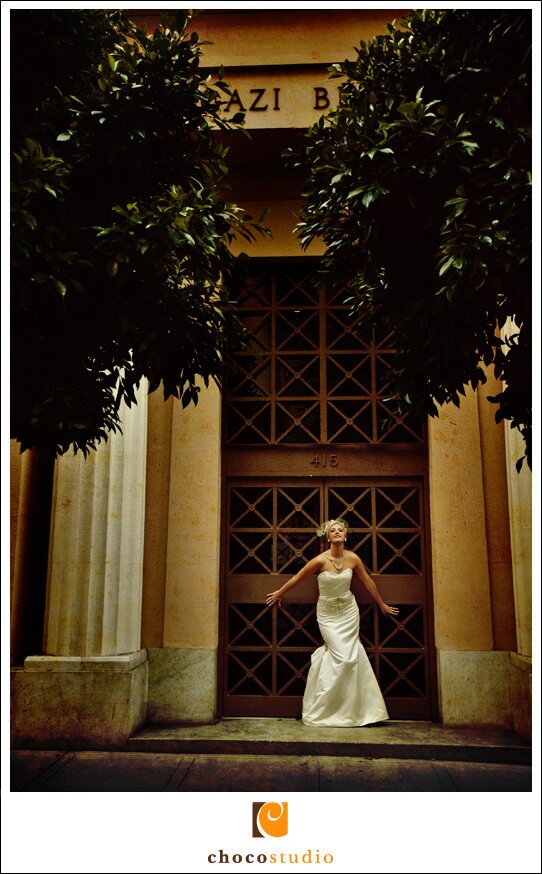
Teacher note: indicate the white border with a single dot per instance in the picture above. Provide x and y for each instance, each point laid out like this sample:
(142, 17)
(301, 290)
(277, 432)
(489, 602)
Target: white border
(385, 832)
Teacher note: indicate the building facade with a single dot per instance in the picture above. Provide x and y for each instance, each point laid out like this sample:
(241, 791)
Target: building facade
(139, 576)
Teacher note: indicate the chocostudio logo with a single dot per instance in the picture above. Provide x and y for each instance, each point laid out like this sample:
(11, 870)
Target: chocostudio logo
(269, 819)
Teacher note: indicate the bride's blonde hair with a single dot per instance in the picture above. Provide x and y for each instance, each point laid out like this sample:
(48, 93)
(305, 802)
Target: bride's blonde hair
(324, 528)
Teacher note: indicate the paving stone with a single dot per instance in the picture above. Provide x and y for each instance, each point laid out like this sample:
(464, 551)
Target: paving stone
(396, 775)
(247, 773)
(27, 766)
(490, 777)
(380, 775)
(113, 772)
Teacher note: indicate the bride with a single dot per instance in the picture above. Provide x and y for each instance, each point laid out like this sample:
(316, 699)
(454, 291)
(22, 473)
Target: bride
(341, 689)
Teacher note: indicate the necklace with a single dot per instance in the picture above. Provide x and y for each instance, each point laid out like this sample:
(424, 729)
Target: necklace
(339, 567)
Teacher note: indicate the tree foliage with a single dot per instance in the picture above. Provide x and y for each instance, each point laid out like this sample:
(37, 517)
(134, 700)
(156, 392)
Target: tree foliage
(119, 258)
(420, 187)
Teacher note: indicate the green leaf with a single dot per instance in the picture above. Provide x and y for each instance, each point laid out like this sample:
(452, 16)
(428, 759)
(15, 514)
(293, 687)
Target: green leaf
(28, 219)
(340, 175)
(407, 108)
(446, 266)
(355, 192)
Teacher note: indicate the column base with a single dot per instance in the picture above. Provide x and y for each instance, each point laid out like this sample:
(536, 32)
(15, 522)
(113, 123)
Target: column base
(521, 693)
(67, 702)
(182, 685)
(474, 688)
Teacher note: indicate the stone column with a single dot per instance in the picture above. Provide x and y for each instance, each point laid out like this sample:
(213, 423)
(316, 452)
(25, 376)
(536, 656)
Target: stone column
(31, 480)
(519, 503)
(91, 685)
(473, 677)
(183, 666)
(520, 513)
(96, 552)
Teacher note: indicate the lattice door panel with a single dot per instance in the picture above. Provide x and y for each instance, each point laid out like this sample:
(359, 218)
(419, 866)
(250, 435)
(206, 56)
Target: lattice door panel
(268, 658)
(272, 528)
(269, 654)
(385, 525)
(386, 530)
(271, 534)
(309, 374)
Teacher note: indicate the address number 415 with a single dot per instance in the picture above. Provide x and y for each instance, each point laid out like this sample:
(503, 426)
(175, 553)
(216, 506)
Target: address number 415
(324, 460)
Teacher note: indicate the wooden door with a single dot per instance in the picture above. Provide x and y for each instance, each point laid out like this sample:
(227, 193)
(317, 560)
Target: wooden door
(308, 436)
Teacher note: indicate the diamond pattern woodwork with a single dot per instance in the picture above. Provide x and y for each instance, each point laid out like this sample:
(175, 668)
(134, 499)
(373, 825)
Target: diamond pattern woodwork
(309, 374)
(278, 659)
(272, 531)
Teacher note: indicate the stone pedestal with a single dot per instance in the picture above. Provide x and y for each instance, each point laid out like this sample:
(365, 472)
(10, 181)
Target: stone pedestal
(474, 688)
(521, 692)
(182, 685)
(68, 702)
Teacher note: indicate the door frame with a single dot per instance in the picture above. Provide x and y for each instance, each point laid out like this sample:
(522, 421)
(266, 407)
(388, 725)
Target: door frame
(432, 691)
(356, 461)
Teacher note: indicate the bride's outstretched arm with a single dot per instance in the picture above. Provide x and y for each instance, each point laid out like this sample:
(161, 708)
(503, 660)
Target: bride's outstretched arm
(370, 585)
(312, 567)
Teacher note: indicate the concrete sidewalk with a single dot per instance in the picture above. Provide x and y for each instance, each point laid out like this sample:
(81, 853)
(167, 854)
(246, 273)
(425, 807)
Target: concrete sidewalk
(88, 771)
(271, 755)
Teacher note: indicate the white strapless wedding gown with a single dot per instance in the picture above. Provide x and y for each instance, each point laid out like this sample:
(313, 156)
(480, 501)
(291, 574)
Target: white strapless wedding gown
(342, 689)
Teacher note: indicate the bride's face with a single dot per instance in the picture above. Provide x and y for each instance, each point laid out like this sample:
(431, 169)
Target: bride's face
(336, 533)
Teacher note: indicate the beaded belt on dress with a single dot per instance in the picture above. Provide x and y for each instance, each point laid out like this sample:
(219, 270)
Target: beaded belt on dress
(337, 601)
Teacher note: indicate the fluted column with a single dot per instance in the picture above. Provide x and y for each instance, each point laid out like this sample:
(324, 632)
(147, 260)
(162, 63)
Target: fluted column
(96, 552)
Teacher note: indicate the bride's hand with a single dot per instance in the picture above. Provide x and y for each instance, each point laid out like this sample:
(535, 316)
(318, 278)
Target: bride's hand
(273, 598)
(389, 611)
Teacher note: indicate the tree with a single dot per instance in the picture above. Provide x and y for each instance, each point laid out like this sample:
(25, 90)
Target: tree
(420, 187)
(119, 257)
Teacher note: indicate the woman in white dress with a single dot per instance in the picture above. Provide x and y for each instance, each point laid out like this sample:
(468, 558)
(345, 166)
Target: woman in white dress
(341, 689)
